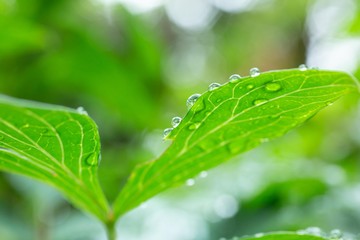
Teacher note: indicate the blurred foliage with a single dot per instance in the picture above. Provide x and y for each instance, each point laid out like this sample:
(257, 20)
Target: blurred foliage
(133, 71)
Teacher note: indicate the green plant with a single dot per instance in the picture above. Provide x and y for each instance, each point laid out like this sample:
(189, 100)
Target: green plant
(61, 146)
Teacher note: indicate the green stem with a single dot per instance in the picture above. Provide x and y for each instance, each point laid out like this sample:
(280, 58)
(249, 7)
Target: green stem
(111, 230)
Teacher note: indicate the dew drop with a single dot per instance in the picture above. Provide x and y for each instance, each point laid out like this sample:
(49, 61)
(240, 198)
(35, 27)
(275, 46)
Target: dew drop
(272, 87)
(194, 126)
(303, 67)
(81, 110)
(175, 121)
(335, 234)
(234, 78)
(192, 99)
(329, 103)
(314, 231)
(92, 159)
(259, 235)
(254, 72)
(167, 132)
(250, 86)
(203, 174)
(214, 86)
(258, 102)
(190, 182)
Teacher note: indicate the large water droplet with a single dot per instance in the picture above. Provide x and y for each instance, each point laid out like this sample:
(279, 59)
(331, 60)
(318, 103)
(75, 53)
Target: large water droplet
(190, 182)
(81, 110)
(303, 67)
(258, 102)
(166, 132)
(175, 121)
(92, 159)
(273, 87)
(234, 78)
(214, 86)
(192, 99)
(254, 72)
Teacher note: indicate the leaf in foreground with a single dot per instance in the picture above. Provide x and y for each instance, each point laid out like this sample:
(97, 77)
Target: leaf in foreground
(232, 119)
(56, 145)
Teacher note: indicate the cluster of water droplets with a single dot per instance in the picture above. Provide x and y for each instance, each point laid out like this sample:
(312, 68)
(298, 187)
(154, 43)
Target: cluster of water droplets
(175, 121)
(334, 234)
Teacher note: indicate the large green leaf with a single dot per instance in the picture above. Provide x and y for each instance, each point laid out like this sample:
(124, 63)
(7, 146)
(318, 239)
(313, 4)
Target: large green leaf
(56, 145)
(232, 119)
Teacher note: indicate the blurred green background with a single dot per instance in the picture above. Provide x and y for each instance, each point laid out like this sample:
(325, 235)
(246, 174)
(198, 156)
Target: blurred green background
(132, 65)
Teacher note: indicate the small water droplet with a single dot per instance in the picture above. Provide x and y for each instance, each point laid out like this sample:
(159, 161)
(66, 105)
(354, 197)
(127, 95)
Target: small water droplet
(214, 86)
(335, 234)
(192, 99)
(45, 130)
(258, 235)
(250, 86)
(92, 159)
(303, 67)
(194, 126)
(329, 103)
(273, 87)
(81, 110)
(166, 132)
(234, 78)
(190, 182)
(175, 121)
(254, 72)
(203, 174)
(275, 116)
(258, 102)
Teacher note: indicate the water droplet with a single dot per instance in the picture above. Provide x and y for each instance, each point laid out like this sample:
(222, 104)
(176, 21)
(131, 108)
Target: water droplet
(335, 234)
(234, 78)
(250, 86)
(275, 116)
(303, 67)
(258, 235)
(175, 121)
(45, 130)
(81, 110)
(214, 86)
(190, 182)
(314, 231)
(258, 102)
(272, 87)
(166, 132)
(329, 103)
(192, 99)
(254, 72)
(194, 126)
(92, 159)
(203, 174)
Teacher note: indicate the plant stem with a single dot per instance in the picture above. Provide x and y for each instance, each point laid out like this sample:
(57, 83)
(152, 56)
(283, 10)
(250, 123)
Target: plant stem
(111, 230)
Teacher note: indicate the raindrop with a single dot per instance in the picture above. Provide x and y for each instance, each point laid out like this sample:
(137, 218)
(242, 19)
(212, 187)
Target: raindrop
(303, 67)
(92, 159)
(166, 132)
(176, 121)
(254, 72)
(203, 174)
(329, 103)
(81, 110)
(272, 87)
(214, 86)
(335, 234)
(250, 86)
(192, 99)
(190, 182)
(258, 102)
(258, 235)
(194, 126)
(234, 78)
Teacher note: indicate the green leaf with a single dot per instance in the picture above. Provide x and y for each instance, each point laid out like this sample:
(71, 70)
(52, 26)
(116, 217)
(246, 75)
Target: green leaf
(232, 119)
(281, 236)
(56, 145)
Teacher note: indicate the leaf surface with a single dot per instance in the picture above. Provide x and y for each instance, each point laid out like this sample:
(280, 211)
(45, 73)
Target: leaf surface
(232, 119)
(56, 145)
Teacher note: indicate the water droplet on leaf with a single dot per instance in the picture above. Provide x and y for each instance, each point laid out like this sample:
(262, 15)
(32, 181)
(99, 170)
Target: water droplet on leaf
(92, 159)
(214, 86)
(194, 126)
(250, 86)
(303, 67)
(254, 72)
(203, 174)
(190, 182)
(176, 121)
(192, 99)
(272, 87)
(81, 110)
(234, 78)
(259, 235)
(335, 234)
(166, 132)
(258, 102)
